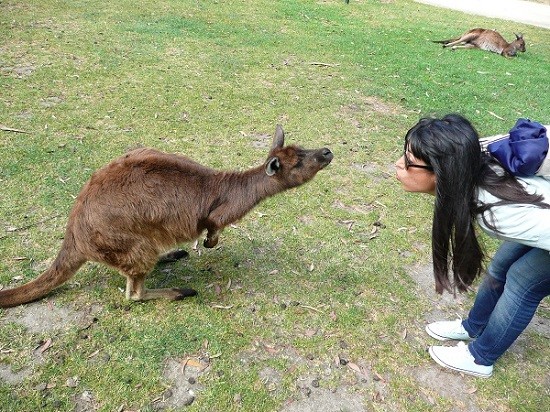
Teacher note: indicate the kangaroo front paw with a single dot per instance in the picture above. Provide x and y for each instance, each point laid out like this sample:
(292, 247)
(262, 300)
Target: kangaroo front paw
(210, 242)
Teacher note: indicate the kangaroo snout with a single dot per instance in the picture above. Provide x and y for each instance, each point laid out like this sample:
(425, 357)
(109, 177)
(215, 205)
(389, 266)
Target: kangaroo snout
(327, 155)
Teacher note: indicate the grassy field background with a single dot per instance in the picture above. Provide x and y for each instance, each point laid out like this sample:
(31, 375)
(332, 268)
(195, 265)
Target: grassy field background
(309, 280)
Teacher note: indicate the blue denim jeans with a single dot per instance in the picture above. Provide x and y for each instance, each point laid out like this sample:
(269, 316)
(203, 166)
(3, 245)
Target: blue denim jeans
(517, 280)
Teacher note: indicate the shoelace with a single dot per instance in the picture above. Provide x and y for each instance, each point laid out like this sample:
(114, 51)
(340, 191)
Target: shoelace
(465, 349)
(459, 327)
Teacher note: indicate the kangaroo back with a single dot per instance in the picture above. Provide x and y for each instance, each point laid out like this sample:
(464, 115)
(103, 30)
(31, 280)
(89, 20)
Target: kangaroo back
(64, 267)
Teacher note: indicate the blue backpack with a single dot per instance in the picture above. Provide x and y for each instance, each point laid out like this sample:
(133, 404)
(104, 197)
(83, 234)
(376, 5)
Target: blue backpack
(524, 151)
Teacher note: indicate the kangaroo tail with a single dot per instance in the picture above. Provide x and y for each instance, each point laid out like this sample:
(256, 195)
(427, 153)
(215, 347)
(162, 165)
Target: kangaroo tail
(68, 261)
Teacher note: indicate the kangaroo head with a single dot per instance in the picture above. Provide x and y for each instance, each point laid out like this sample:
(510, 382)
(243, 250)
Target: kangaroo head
(293, 165)
(519, 43)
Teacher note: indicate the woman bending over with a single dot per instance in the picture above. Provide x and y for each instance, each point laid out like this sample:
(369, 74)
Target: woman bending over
(443, 157)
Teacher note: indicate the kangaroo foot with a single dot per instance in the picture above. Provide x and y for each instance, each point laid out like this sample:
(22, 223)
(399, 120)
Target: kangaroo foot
(169, 293)
(184, 293)
(166, 293)
(172, 256)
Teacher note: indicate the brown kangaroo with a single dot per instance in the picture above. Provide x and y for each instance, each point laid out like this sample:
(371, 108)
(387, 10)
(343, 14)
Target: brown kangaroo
(147, 202)
(485, 39)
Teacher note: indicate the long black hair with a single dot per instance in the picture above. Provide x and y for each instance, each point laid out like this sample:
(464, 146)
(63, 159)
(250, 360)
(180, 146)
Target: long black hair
(450, 145)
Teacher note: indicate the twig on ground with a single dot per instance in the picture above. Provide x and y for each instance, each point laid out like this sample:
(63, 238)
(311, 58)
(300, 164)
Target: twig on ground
(497, 116)
(311, 308)
(11, 129)
(325, 64)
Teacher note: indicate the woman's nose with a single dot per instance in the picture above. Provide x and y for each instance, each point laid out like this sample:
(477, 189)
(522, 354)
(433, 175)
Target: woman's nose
(400, 163)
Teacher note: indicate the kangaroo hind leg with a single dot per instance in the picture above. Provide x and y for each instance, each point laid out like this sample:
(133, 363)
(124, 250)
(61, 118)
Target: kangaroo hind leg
(136, 291)
(465, 39)
(463, 46)
(453, 44)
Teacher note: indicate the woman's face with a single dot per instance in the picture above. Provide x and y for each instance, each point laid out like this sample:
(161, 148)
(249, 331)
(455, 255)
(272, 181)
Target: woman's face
(414, 174)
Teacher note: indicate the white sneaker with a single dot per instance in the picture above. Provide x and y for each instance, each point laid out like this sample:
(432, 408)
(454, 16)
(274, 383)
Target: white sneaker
(447, 330)
(460, 359)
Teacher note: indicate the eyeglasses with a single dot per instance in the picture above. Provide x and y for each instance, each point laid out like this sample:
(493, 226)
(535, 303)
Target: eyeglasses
(408, 162)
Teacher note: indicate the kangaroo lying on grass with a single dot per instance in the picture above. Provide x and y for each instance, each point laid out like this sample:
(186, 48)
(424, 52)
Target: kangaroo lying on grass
(147, 202)
(485, 39)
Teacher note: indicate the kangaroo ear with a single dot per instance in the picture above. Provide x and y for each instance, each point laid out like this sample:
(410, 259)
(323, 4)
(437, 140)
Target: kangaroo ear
(519, 36)
(279, 138)
(272, 166)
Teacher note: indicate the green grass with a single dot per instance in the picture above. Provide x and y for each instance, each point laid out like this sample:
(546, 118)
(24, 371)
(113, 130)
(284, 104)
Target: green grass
(88, 81)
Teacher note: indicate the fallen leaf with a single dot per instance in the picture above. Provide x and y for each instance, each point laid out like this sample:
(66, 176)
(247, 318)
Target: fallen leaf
(311, 308)
(354, 367)
(471, 390)
(221, 307)
(45, 346)
(496, 115)
(404, 334)
(195, 363)
(271, 349)
(325, 64)
(378, 397)
(378, 377)
(348, 223)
